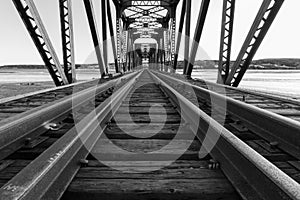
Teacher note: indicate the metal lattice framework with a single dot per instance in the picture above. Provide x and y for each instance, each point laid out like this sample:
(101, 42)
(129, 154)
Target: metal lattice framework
(39, 35)
(66, 21)
(258, 31)
(226, 39)
(147, 19)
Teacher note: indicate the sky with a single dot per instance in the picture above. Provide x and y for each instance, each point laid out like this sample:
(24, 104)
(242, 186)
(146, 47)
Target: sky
(282, 40)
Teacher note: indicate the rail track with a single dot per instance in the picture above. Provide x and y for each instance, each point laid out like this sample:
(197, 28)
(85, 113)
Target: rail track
(15, 105)
(283, 106)
(143, 142)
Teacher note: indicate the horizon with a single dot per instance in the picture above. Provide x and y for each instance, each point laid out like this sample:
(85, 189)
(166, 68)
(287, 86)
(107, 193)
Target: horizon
(112, 63)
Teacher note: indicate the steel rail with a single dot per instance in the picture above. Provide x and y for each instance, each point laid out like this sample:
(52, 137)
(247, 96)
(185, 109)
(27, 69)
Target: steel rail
(253, 176)
(250, 91)
(20, 96)
(48, 176)
(15, 130)
(268, 125)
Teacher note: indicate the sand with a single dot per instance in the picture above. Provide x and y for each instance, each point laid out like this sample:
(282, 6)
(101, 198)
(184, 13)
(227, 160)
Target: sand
(13, 89)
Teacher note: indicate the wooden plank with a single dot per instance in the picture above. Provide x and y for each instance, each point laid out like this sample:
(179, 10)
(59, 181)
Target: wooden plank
(147, 104)
(126, 165)
(30, 154)
(35, 142)
(141, 118)
(281, 156)
(145, 150)
(148, 95)
(147, 110)
(204, 189)
(14, 110)
(5, 163)
(295, 164)
(156, 131)
(138, 100)
(182, 173)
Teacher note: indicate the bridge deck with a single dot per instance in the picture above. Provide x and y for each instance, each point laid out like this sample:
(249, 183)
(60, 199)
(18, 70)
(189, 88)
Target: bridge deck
(188, 177)
(149, 148)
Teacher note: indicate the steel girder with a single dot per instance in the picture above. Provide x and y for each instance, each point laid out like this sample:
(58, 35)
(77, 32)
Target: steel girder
(66, 21)
(226, 40)
(258, 31)
(187, 35)
(179, 34)
(95, 35)
(39, 35)
(118, 30)
(112, 35)
(104, 33)
(197, 36)
(172, 37)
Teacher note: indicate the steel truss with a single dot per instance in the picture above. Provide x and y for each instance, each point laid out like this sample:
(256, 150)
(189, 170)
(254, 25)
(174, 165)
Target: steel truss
(258, 31)
(226, 40)
(187, 35)
(197, 36)
(112, 35)
(39, 35)
(179, 34)
(95, 35)
(147, 19)
(118, 28)
(66, 21)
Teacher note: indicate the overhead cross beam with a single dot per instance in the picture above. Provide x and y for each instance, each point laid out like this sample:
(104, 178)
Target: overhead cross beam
(226, 40)
(39, 35)
(197, 36)
(95, 35)
(263, 21)
(66, 21)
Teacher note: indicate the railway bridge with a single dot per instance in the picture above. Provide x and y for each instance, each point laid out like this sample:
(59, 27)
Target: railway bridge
(146, 129)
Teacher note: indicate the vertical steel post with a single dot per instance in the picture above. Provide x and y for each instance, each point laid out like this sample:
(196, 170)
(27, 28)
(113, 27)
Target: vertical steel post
(173, 29)
(112, 35)
(118, 42)
(226, 40)
(179, 34)
(104, 34)
(263, 21)
(66, 21)
(40, 37)
(197, 36)
(95, 35)
(187, 35)
(161, 54)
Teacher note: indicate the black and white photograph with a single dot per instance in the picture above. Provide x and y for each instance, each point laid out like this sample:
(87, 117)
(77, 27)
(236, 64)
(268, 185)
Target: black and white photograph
(149, 100)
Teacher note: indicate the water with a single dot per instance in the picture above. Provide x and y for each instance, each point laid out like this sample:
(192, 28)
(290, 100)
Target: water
(40, 75)
(286, 82)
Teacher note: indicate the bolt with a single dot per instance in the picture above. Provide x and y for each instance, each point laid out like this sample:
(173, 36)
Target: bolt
(213, 164)
(274, 144)
(238, 122)
(84, 162)
(27, 141)
(244, 98)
